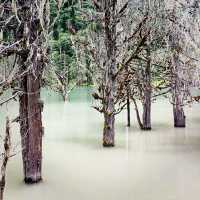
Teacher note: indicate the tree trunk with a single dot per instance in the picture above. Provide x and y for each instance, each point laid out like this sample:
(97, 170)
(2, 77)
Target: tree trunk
(109, 7)
(109, 131)
(137, 114)
(179, 116)
(63, 91)
(109, 109)
(177, 96)
(31, 128)
(178, 111)
(32, 61)
(177, 84)
(147, 94)
(128, 112)
(147, 113)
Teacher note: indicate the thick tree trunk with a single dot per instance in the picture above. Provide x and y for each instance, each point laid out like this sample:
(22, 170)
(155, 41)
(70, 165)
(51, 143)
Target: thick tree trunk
(147, 94)
(32, 62)
(178, 111)
(179, 116)
(177, 96)
(109, 111)
(30, 108)
(31, 128)
(177, 84)
(109, 131)
(147, 113)
(109, 7)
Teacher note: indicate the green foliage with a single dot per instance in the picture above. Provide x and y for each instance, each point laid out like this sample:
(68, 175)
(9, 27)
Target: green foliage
(63, 55)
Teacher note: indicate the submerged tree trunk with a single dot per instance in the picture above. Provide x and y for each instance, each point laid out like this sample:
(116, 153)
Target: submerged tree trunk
(109, 131)
(178, 111)
(109, 109)
(179, 116)
(177, 80)
(109, 7)
(128, 112)
(137, 114)
(31, 128)
(147, 94)
(63, 92)
(32, 61)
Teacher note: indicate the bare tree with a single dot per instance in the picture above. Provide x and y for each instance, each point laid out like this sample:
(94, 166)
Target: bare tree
(29, 27)
(183, 46)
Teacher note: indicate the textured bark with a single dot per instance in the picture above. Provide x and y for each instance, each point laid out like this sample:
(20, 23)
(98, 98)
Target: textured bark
(31, 62)
(177, 83)
(147, 94)
(5, 158)
(109, 115)
(178, 111)
(109, 131)
(179, 116)
(109, 7)
(147, 113)
(31, 127)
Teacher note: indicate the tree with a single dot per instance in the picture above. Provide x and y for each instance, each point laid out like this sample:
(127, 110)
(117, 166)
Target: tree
(105, 35)
(115, 43)
(32, 30)
(27, 39)
(182, 38)
(109, 10)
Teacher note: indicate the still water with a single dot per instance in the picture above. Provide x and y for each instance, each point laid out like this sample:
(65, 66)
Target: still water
(163, 164)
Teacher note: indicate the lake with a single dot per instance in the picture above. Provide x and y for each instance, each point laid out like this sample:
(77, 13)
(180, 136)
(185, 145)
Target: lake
(162, 164)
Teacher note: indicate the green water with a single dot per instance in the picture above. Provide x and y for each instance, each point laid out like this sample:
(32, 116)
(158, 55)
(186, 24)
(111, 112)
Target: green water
(159, 165)
(80, 94)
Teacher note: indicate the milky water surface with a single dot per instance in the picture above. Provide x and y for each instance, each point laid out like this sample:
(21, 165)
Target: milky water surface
(163, 164)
